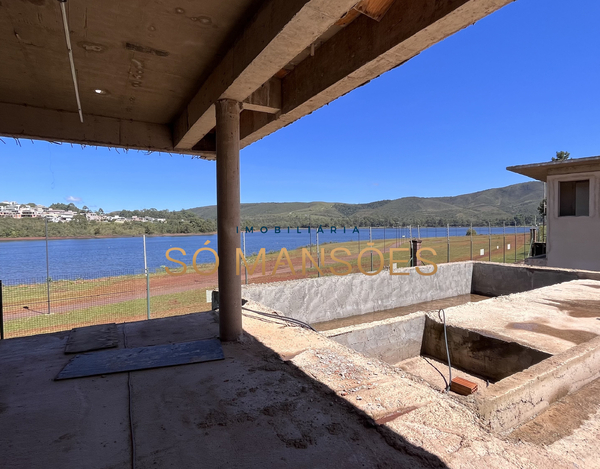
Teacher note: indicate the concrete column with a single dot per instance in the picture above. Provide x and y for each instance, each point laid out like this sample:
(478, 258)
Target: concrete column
(228, 217)
(415, 246)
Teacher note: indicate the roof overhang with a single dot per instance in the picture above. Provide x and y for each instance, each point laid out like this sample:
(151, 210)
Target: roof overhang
(149, 73)
(541, 171)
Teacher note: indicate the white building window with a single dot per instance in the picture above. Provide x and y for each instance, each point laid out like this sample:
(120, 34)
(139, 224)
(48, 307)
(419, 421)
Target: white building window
(574, 198)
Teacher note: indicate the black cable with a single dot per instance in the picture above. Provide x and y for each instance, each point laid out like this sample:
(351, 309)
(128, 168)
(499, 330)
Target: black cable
(447, 350)
(131, 434)
(283, 318)
(439, 372)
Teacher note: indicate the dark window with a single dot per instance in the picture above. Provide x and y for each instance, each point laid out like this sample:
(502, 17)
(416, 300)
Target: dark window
(574, 199)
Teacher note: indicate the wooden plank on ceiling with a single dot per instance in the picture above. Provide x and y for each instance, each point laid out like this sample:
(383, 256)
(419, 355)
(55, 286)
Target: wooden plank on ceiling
(375, 9)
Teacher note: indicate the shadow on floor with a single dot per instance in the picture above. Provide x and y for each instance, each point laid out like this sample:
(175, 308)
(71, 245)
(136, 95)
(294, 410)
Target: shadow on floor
(249, 410)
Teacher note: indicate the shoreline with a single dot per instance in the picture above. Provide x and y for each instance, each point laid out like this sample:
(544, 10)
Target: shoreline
(52, 238)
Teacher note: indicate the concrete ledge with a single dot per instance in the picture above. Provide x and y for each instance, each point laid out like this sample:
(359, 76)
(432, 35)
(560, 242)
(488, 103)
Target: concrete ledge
(390, 340)
(520, 397)
(327, 298)
(492, 279)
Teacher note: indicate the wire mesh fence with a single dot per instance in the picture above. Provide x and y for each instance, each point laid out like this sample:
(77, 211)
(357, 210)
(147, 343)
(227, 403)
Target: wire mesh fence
(81, 284)
(37, 306)
(40, 305)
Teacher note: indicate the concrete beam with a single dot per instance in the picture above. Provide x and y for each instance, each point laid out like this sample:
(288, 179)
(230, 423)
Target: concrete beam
(28, 122)
(251, 120)
(272, 38)
(265, 99)
(365, 49)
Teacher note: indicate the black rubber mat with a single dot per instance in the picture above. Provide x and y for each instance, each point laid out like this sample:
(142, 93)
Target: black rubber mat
(132, 359)
(86, 339)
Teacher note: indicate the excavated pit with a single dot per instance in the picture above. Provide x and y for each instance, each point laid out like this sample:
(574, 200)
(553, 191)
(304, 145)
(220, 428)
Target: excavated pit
(416, 344)
(520, 371)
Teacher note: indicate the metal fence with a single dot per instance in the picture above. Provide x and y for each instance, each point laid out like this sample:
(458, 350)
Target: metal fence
(38, 305)
(55, 286)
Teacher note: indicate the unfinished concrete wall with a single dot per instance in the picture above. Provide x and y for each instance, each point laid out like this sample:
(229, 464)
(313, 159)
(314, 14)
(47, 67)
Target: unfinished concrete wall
(478, 354)
(328, 298)
(492, 279)
(524, 395)
(391, 340)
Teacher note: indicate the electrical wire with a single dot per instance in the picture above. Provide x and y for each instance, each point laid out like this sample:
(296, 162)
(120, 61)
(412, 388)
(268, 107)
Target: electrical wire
(447, 350)
(282, 318)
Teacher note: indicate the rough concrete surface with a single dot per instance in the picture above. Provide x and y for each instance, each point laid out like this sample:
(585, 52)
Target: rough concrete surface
(528, 380)
(283, 397)
(520, 397)
(250, 410)
(435, 372)
(552, 319)
(394, 313)
(480, 354)
(327, 298)
(494, 279)
(410, 411)
(390, 340)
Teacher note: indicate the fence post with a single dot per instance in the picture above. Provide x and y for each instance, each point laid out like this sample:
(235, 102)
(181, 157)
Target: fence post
(147, 279)
(471, 232)
(370, 242)
(1, 314)
(310, 241)
(448, 240)
(318, 256)
(47, 267)
(516, 242)
(246, 268)
(490, 242)
(504, 242)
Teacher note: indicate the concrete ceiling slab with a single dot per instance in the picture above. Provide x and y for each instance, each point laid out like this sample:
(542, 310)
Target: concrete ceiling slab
(147, 56)
(149, 73)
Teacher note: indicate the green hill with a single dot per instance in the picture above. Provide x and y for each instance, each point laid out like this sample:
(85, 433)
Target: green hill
(505, 204)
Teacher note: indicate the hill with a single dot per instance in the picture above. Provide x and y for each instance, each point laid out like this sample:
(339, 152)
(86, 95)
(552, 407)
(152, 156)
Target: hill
(505, 204)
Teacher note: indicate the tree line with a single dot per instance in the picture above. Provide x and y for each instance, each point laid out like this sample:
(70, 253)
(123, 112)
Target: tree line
(374, 221)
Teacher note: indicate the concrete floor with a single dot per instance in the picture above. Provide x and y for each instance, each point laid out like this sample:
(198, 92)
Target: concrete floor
(249, 410)
(283, 397)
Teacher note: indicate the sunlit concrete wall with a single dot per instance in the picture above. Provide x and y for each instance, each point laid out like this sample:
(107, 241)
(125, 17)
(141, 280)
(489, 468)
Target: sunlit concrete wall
(328, 298)
(574, 242)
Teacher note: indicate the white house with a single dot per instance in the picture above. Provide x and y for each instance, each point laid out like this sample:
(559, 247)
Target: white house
(573, 210)
(12, 210)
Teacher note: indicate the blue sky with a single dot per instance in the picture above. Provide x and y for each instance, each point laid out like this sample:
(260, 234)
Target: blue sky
(512, 89)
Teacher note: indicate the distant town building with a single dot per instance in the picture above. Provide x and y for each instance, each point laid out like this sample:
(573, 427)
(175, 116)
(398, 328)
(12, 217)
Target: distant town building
(14, 210)
(573, 210)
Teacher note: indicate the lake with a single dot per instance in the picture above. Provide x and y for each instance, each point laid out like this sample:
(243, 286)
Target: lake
(25, 261)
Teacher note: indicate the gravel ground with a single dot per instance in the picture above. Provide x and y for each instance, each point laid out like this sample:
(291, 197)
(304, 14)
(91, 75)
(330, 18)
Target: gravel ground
(408, 411)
